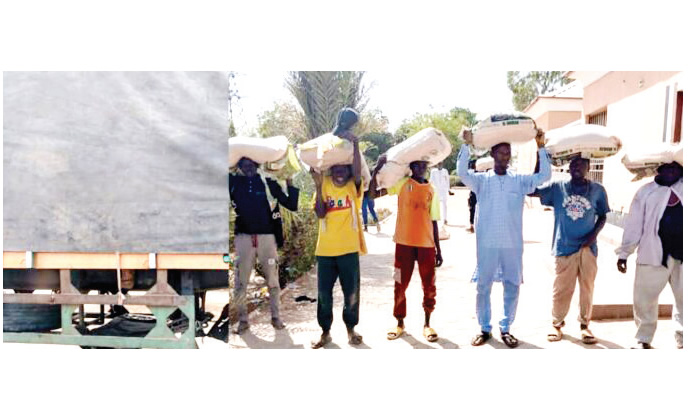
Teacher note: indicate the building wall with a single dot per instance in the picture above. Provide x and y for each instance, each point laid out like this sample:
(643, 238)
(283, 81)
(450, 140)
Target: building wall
(618, 85)
(638, 119)
(527, 153)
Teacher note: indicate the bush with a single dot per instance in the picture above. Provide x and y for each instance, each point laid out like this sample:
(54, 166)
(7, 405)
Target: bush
(455, 181)
(297, 256)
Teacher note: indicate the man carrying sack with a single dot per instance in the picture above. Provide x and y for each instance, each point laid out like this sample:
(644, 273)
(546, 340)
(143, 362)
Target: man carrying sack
(499, 230)
(580, 208)
(254, 235)
(340, 236)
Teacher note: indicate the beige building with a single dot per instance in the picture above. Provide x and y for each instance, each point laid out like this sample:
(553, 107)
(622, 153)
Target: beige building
(560, 108)
(641, 108)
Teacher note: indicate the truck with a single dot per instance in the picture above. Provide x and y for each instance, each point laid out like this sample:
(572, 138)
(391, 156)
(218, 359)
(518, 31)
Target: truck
(115, 195)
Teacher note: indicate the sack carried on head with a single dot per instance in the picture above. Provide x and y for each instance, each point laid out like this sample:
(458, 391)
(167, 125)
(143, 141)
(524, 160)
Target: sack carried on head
(327, 150)
(644, 161)
(587, 140)
(259, 150)
(484, 164)
(285, 167)
(429, 145)
(512, 127)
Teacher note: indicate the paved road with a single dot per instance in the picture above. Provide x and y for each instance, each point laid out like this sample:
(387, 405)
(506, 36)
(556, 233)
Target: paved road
(454, 318)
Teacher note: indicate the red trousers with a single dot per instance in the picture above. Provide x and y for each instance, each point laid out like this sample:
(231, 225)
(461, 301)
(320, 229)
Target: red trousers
(403, 270)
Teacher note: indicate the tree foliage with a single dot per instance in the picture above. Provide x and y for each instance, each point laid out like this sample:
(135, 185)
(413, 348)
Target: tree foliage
(526, 86)
(321, 94)
(450, 123)
(283, 119)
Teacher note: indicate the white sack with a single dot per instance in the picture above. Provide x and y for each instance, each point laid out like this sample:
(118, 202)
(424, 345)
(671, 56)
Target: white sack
(512, 127)
(484, 164)
(259, 150)
(644, 161)
(589, 140)
(391, 173)
(429, 144)
(325, 151)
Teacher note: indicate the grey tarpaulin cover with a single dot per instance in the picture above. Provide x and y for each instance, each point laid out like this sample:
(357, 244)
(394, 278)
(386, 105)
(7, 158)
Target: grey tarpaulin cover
(115, 161)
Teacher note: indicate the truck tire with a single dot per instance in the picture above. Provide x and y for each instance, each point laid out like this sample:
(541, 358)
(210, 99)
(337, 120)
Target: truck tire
(30, 317)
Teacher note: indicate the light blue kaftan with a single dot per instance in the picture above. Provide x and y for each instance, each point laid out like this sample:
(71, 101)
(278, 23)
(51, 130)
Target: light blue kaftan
(499, 232)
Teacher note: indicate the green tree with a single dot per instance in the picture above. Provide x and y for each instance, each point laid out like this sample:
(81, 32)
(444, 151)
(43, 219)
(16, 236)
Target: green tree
(374, 144)
(321, 94)
(283, 119)
(450, 123)
(526, 86)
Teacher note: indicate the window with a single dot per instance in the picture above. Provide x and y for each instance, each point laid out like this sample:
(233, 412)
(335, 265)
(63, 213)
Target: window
(600, 118)
(596, 170)
(677, 127)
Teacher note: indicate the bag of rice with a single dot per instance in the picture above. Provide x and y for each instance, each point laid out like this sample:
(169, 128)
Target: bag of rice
(259, 150)
(484, 164)
(588, 140)
(429, 145)
(285, 167)
(644, 161)
(325, 151)
(512, 127)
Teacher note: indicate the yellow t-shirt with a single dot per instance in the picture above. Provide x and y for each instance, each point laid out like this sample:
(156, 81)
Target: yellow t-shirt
(418, 207)
(340, 232)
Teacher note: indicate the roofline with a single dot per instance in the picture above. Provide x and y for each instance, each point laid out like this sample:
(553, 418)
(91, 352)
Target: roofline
(537, 98)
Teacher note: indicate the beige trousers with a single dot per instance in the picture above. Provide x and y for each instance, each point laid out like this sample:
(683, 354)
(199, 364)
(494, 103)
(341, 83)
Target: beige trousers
(649, 282)
(584, 266)
(250, 248)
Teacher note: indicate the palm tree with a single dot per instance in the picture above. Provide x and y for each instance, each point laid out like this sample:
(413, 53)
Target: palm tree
(321, 94)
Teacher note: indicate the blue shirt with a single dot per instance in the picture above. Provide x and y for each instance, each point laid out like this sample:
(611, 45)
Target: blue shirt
(499, 215)
(575, 215)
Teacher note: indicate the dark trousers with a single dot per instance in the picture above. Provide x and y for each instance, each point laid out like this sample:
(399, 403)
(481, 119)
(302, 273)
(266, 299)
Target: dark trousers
(472, 206)
(404, 261)
(347, 267)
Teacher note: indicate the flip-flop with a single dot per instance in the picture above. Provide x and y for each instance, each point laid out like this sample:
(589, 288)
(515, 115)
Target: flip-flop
(354, 339)
(587, 337)
(325, 339)
(394, 333)
(430, 334)
(481, 338)
(509, 340)
(555, 335)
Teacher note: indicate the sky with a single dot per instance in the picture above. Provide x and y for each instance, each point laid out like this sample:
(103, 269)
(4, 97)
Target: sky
(398, 93)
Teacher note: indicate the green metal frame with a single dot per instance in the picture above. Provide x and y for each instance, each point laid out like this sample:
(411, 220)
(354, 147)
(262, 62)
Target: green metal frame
(162, 301)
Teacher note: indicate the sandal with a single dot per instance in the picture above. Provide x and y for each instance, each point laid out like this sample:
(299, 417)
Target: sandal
(325, 339)
(430, 334)
(354, 338)
(555, 335)
(394, 333)
(509, 340)
(587, 337)
(481, 338)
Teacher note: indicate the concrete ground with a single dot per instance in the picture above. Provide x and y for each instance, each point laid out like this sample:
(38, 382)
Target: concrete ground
(454, 318)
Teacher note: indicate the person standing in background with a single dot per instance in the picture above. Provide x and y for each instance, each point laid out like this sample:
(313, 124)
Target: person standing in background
(440, 179)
